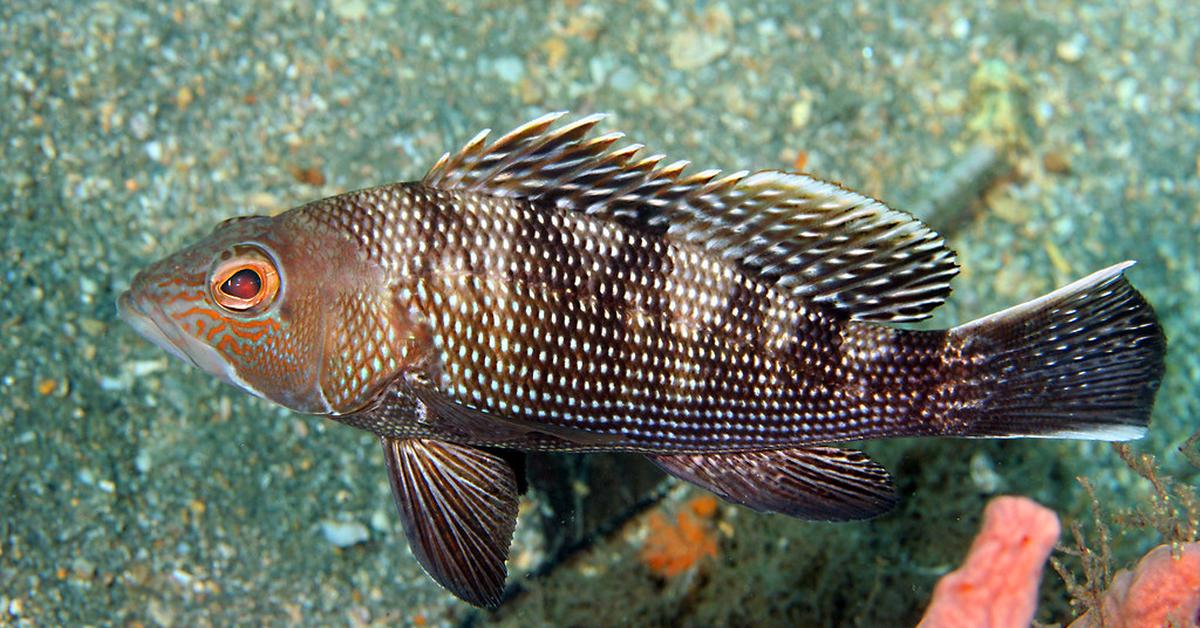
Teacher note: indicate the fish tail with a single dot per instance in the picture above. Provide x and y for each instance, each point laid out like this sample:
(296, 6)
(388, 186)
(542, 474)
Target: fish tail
(1081, 362)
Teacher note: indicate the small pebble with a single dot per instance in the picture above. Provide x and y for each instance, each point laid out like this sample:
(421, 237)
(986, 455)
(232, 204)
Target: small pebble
(380, 521)
(802, 111)
(555, 50)
(691, 48)
(349, 9)
(951, 100)
(139, 125)
(154, 151)
(20, 180)
(510, 69)
(960, 28)
(142, 368)
(49, 148)
(1127, 88)
(1071, 50)
(88, 286)
(91, 326)
(1056, 162)
(184, 97)
(83, 567)
(142, 462)
(344, 533)
(623, 79)
(113, 384)
(182, 577)
(983, 474)
(309, 176)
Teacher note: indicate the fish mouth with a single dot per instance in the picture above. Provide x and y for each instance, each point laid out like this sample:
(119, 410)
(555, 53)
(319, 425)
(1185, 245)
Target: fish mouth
(153, 323)
(147, 320)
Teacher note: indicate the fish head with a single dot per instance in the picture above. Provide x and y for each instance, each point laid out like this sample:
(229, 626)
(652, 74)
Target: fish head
(251, 303)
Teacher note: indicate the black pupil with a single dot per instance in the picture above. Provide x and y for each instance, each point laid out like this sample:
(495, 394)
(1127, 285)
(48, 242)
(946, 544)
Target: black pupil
(244, 284)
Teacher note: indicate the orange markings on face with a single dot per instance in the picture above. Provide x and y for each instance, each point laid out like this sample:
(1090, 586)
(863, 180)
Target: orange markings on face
(249, 335)
(176, 297)
(189, 296)
(214, 331)
(274, 325)
(196, 310)
(172, 281)
(227, 345)
(244, 282)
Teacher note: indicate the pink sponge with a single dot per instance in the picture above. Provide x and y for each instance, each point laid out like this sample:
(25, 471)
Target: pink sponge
(997, 586)
(1162, 590)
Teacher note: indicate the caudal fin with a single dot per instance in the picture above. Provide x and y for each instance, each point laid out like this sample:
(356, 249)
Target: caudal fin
(1081, 362)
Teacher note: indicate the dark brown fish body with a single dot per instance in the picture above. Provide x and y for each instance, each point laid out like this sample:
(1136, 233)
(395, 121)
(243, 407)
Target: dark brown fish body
(544, 292)
(564, 320)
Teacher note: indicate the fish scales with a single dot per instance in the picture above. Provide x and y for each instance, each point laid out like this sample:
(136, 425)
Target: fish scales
(560, 318)
(550, 290)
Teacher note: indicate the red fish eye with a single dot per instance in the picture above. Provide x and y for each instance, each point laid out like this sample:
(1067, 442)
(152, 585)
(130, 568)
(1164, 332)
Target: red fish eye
(244, 284)
(246, 280)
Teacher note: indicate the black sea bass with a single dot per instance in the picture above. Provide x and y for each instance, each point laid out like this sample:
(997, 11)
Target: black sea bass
(552, 291)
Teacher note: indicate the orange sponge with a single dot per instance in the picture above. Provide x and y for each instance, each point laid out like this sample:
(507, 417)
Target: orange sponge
(1162, 590)
(997, 585)
(671, 550)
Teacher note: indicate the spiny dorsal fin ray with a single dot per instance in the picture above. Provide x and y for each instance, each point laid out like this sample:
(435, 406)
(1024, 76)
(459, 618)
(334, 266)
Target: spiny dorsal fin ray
(823, 243)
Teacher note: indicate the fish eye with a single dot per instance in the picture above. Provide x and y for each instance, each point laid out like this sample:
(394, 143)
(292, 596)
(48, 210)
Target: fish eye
(244, 280)
(244, 284)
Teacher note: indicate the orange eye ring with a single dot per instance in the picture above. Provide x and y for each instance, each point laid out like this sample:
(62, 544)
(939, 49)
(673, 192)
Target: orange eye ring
(244, 282)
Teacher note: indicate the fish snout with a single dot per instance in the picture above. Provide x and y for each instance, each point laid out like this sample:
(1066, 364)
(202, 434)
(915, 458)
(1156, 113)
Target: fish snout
(152, 323)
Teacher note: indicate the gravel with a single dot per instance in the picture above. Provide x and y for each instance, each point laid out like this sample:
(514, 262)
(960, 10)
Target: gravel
(136, 489)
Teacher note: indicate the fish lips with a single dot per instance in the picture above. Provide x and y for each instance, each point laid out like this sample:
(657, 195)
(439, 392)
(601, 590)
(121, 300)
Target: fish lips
(153, 323)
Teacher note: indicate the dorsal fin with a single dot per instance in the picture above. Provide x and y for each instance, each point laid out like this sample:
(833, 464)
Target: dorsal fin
(819, 241)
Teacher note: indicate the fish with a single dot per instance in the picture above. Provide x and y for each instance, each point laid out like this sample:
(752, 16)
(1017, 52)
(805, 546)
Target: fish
(554, 290)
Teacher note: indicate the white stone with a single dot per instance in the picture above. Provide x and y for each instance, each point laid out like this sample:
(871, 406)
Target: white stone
(344, 533)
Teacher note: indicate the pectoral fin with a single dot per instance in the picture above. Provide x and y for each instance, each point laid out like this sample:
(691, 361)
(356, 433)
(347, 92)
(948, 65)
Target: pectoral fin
(822, 483)
(459, 508)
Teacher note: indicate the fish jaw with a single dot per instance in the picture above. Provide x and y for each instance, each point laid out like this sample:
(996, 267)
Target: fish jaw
(151, 322)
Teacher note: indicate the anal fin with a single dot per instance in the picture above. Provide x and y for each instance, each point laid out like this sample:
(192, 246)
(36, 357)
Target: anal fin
(820, 483)
(459, 509)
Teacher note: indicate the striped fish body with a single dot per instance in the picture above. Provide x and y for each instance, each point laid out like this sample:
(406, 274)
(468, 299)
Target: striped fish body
(605, 337)
(547, 291)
